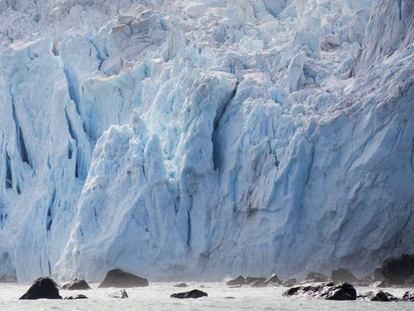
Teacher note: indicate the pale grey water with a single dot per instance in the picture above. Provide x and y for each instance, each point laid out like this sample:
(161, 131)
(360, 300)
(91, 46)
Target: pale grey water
(157, 297)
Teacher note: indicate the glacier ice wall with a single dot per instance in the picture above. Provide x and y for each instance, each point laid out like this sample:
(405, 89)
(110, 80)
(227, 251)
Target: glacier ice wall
(200, 139)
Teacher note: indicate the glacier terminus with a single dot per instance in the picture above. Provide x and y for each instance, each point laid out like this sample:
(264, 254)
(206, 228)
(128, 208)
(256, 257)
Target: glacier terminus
(205, 138)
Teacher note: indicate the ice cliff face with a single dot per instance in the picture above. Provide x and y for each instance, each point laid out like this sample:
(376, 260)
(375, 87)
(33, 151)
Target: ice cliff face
(205, 138)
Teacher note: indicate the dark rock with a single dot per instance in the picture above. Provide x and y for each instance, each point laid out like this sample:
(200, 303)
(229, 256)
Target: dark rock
(273, 280)
(119, 278)
(398, 270)
(195, 293)
(181, 285)
(42, 288)
(122, 294)
(80, 296)
(383, 296)
(237, 281)
(328, 291)
(377, 296)
(316, 277)
(343, 291)
(408, 296)
(76, 285)
(343, 275)
(292, 291)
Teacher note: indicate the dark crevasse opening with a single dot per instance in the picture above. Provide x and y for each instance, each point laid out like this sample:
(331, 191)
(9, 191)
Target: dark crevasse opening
(24, 155)
(79, 172)
(3, 216)
(49, 217)
(9, 176)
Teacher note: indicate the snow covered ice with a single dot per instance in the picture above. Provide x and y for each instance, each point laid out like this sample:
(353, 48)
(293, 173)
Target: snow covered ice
(205, 138)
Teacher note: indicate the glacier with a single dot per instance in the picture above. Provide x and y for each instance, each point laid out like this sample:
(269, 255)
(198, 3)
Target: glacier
(200, 139)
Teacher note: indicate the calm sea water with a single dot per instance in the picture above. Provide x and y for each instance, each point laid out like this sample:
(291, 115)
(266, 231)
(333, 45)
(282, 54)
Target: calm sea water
(157, 297)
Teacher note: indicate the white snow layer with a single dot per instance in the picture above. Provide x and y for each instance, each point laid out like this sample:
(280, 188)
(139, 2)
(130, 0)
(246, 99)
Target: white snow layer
(200, 139)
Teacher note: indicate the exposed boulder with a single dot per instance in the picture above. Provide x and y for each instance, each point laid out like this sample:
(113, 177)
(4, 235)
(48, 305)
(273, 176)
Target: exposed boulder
(408, 296)
(343, 291)
(398, 270)
(384, 296)
(42, 288)
(273, 280)
(76, 285)
(80, 296)
(377, 296)
(120, 278)
(195, 293)
(316, 277)
(240, 280)
(343, 275)
(328, 291)
(181, 285)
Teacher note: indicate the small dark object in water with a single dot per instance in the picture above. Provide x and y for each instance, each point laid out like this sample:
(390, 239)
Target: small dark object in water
(119, 278)
(181, 285)
(195, 293)
(80, 296)
(42, 288)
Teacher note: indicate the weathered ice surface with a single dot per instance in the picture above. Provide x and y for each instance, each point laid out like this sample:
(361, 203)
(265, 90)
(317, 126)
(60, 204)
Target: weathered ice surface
(203, 139)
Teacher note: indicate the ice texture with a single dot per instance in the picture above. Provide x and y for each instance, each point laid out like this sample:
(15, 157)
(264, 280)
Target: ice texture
(200, 139)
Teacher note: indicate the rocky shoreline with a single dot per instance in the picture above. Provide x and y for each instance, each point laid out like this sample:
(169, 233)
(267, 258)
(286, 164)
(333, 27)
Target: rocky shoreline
(342, 284)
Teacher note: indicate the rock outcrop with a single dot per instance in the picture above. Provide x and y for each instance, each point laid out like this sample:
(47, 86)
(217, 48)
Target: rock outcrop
(120, 278)
(42, 288)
